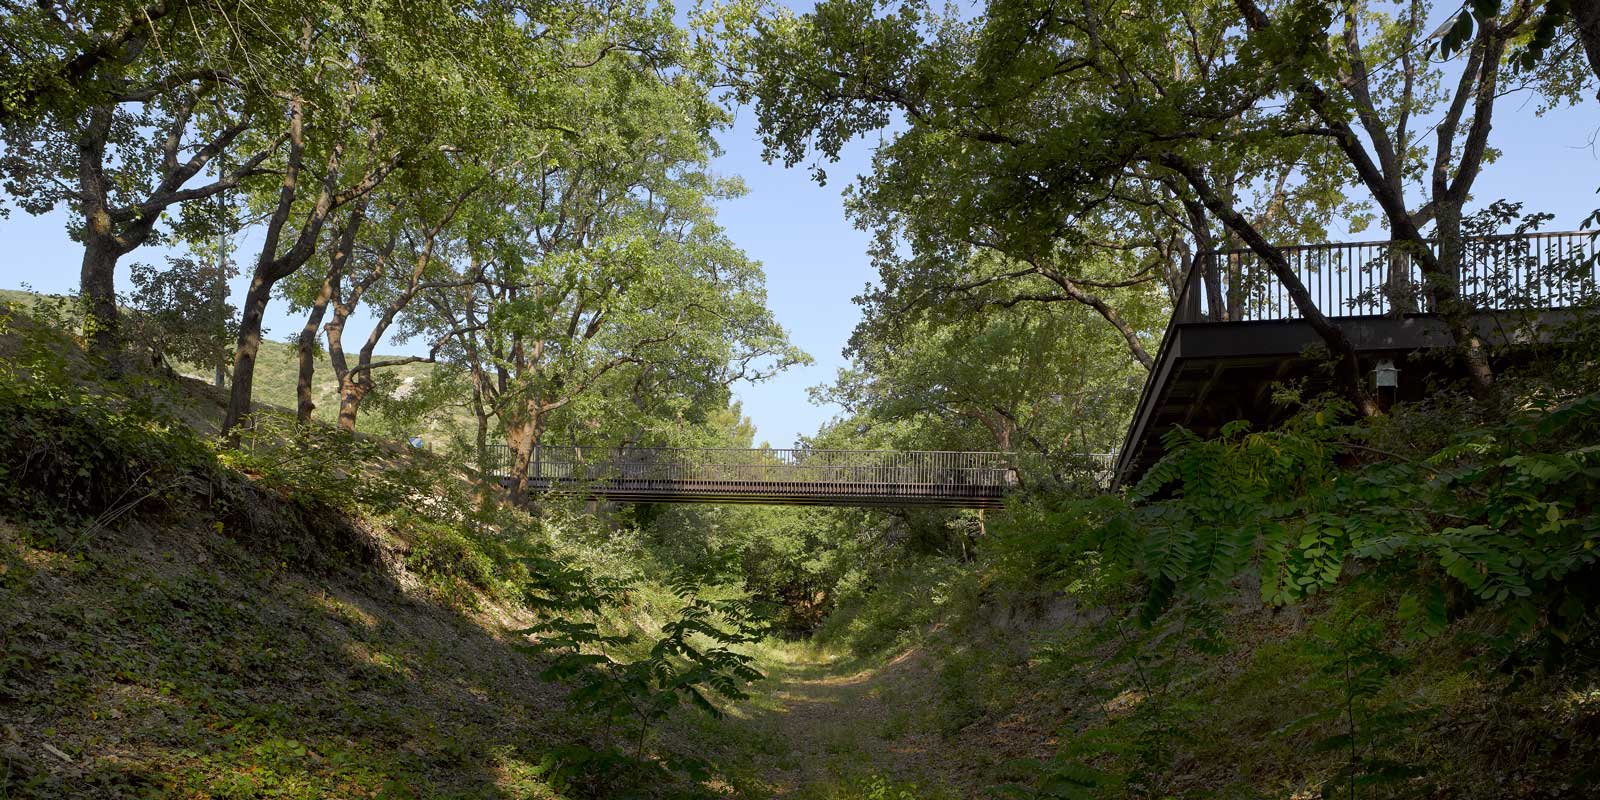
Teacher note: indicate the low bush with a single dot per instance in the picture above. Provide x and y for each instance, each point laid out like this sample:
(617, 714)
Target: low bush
(630, 681)
(891, 608)
(72, 459)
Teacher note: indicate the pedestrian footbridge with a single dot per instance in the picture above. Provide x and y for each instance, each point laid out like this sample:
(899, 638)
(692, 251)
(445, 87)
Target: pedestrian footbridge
(770, 476)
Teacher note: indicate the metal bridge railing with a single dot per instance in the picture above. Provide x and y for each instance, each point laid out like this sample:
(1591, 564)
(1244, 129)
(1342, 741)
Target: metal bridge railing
(676, 464)
(952, 471)
(1535, 270)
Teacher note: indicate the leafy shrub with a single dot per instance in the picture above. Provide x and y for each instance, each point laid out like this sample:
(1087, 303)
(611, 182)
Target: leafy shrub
(878, 787)
(1501, 517)
(875, 613)
(321, 466)
(70, 457)
(1416, 525)
(630, 684)
(792, 558)
(1355, 666)
(180, 313)
(448, 560)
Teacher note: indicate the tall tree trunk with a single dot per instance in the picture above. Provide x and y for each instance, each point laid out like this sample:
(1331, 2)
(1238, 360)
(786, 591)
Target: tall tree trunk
(344, 248)
(1586, 16)
(480, 439)
(101, 249)
(352, 390)
(110, 233)
(273, 266)
(245, 351)
(304, 390)
(97, 281)
(1480, 89)
(1444, 294)
(523, 437)
(1207, 260)
(1397, 284)
(1348, 366)
(268, 270)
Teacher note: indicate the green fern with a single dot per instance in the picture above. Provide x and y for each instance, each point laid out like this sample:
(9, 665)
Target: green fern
(690, 662)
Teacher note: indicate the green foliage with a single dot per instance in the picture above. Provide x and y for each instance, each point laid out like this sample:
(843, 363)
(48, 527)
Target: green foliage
(1068, 558)
(181, 314)
(1061, 777)
(1406, 524)
(1050, 382)
(791, 559)
(221, 674)
(79, 459)
(448, 559)
(408, 406)
(421, 412)
(1355, 665)
(1502, 514)
(690, 661)
(891, 605)
(319, 466)
(874, 787)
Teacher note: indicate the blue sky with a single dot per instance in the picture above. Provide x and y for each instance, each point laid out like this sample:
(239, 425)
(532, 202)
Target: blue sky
(816, 261)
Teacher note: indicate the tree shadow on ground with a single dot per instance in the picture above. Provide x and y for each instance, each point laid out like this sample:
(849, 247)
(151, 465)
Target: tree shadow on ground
(174, 660)
(815, 724)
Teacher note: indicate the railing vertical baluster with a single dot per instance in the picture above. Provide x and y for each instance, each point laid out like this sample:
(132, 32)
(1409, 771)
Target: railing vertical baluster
(1320, 274)
(1368, 282)
(1341, 287)
(1349, 284)
(1563, 254)
(1363, 278)
(1277, 288)
(1358, 274)
(1310, 262)
(1303, 270)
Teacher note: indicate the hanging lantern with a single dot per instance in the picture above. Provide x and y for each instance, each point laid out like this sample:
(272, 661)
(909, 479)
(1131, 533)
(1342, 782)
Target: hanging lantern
(1386, 375)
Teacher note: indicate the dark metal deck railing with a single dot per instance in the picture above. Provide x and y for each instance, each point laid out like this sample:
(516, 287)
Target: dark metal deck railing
(869, 477)
(1535, 270)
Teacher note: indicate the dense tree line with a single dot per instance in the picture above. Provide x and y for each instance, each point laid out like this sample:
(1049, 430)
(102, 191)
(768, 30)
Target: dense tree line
(525, 188)
(1090, 154)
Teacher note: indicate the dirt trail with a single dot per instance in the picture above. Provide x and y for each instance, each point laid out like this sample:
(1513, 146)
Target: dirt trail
(815, 725)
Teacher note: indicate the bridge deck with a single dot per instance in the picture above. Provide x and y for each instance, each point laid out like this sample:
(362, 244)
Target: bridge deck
(792, 493)
(868, 478)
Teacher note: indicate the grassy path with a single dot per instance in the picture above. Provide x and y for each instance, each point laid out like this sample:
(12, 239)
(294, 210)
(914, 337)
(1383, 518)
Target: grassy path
(822, 728)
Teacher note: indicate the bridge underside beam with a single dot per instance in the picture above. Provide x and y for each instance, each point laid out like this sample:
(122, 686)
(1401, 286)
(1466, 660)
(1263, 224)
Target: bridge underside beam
(779, 493)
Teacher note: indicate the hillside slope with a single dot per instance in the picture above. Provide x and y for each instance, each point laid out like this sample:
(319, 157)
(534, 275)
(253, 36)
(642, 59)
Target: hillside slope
(174, 660)
(1022, 693)
(182, 623)
(277, 376)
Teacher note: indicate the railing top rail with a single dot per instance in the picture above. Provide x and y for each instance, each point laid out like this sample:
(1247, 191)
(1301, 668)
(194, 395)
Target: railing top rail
(1495, 237)
(629, 447)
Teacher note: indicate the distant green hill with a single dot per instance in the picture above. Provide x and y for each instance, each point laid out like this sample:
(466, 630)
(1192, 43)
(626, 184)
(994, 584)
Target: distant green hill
(277, 372)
